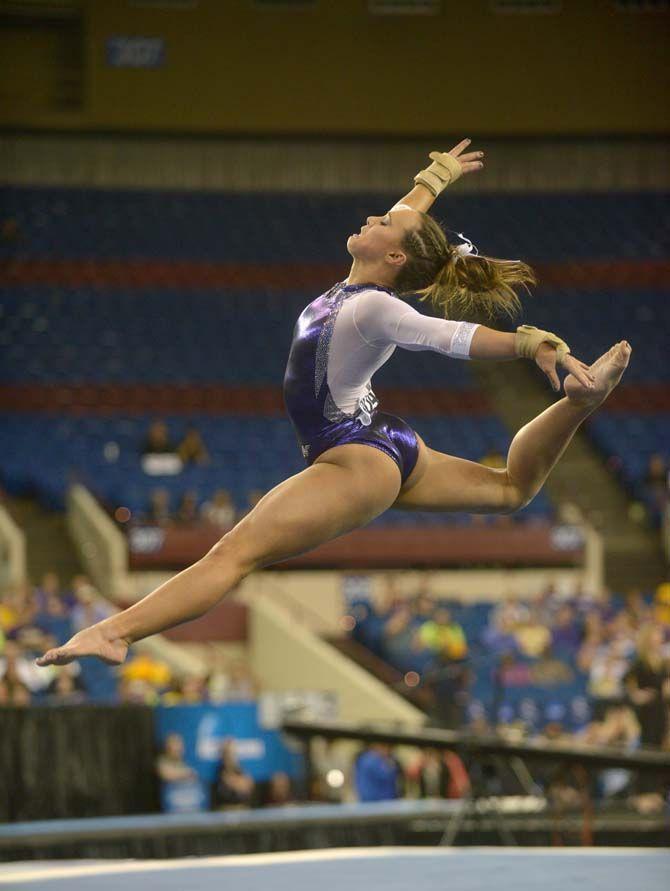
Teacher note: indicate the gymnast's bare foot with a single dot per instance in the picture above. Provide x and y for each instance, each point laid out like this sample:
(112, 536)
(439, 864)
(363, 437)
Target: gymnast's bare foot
(89, 642)
(607, 372)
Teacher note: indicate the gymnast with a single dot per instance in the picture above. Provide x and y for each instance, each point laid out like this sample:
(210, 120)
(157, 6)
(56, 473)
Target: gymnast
(360, 460)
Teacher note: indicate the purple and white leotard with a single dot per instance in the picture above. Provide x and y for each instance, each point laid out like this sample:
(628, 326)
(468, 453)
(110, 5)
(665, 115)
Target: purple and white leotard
(340, 340)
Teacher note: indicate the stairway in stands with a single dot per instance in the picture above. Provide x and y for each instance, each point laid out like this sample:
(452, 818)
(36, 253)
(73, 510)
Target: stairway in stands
(48, 543)
(633, 556)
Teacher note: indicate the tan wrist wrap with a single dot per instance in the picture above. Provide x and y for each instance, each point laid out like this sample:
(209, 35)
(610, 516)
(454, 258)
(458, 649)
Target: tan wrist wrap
(444, 170)
(528, 339)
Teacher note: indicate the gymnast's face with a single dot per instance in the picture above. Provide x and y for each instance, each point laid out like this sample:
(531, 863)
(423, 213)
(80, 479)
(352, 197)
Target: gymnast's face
(381, 238)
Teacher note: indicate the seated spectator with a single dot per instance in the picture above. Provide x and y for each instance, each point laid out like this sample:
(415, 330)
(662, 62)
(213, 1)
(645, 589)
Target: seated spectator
(377, 774)
(53, 618)
(90, 607)
(50, 586)
(17, 607)
(280, 791)
(510, 612)
(136, 692)
(159, 513)
(192, 690)
(170, 764)
(19, 671)
(399, 636)
(159, 455)
(593, 639)
(15, 694)
(423, 603)
(622, 629)
(443, 634)
(158, 440)
(636, 607)
(181, 789)
(143, 679)
(67, 688)
(242, 685)
(533, 636)
(565, 634)
(233, 787)
(499, 637)
(661, 608)
(606, 674)
(192, 449)
(439, 774)
(220, 511)
(187, 512)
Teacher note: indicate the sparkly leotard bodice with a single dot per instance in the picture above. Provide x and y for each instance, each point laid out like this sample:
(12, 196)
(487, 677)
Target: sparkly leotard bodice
(340, 340)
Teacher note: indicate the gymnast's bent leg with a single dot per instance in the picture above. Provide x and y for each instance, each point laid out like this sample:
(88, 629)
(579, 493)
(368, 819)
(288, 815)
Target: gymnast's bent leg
(346, 487)
(442, 482)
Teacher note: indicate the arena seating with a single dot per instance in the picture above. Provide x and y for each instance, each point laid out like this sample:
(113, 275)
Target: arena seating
(531, 690)
(72, 335)
(119, 312)
(284, 228)
(44, 454)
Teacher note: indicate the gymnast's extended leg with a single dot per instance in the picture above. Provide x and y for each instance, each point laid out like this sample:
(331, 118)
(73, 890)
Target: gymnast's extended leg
(345, 488)
(442, 482)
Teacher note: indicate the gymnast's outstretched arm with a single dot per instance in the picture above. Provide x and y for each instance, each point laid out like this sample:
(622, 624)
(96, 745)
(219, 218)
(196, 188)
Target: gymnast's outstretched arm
(430, 183)
(382, 319)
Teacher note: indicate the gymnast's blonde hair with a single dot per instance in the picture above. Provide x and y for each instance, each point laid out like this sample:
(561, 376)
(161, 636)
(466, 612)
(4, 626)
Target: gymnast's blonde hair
(460, 286)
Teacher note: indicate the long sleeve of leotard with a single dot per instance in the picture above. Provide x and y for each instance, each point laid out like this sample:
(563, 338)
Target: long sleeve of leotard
(382, 319)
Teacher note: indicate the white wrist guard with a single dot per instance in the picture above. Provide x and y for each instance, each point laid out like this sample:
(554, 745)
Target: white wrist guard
(444, 171)
(528, 339)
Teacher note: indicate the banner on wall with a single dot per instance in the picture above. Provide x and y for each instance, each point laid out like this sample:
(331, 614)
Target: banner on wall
(254, 727)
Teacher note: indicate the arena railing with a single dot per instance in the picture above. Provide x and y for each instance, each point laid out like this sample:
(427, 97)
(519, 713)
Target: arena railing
(491, 753)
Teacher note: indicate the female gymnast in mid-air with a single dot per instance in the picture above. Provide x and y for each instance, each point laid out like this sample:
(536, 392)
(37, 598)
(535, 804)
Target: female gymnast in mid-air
(362, 461)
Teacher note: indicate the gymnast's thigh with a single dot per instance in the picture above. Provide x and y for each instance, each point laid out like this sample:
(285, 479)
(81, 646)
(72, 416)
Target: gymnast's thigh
(441, 482)
(346, 487)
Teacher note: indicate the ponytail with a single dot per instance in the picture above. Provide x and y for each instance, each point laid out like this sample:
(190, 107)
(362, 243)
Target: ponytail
(466, 287)
(471, 286)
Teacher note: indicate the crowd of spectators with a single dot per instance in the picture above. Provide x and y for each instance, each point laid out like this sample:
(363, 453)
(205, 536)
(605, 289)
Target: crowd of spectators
(219, 511)
(617, 646)
(233, 787)
(190, 450)
(160, 455)
(33, 619)
(36, 618)
(146, 680)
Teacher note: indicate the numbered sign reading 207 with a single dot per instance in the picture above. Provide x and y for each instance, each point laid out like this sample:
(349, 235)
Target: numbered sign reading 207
(135, 52)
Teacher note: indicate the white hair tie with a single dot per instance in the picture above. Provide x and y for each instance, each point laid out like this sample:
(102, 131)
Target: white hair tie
(463, 250)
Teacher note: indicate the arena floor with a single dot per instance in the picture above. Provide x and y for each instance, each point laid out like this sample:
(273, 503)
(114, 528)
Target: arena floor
(371, 869)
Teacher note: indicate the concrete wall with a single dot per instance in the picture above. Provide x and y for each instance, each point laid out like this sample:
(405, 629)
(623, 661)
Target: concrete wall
(287, 656)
